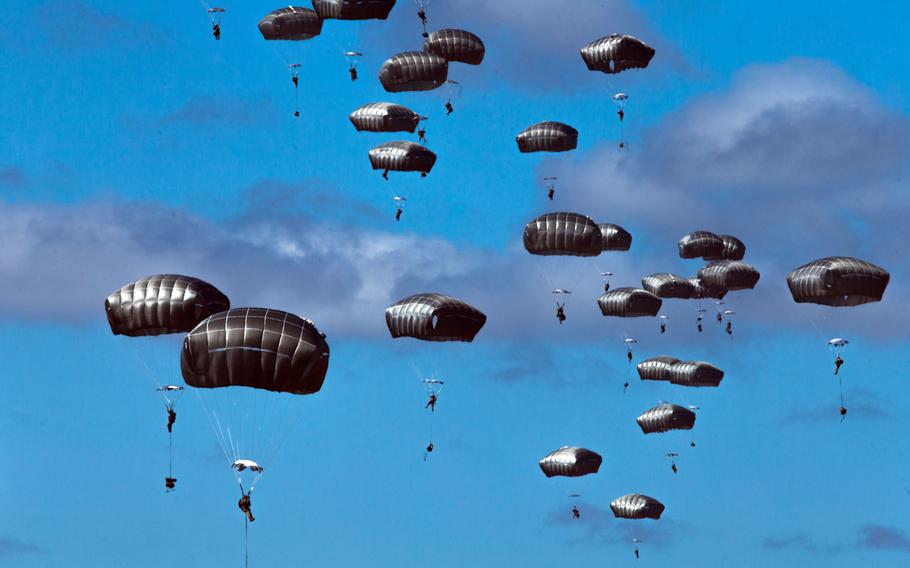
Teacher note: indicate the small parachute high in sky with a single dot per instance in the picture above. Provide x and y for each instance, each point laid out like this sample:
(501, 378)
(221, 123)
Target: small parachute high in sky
(434, 317)
(620, 100)
(548, 136)
(635, 506)
(215, 14)
(353, 57)
(402, 156)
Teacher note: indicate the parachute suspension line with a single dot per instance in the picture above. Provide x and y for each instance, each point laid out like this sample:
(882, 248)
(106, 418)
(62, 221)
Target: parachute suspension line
(219, 434)
(246, 543)
(149, 372)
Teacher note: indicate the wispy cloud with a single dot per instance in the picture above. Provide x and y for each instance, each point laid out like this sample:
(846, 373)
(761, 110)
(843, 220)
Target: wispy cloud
(880, 537)
(801, 542)
(77, 25)
(12, 177)
(12, 546)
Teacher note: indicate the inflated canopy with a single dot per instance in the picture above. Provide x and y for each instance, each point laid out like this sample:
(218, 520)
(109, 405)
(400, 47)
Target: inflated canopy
(838, 281)
(570, 462)
(413, 71)
(563, 233)
(635, 506)
(291, 23)
(548, 136)
(353, 9)
(733, 249)
(629, 303)
(402, 156)
(702, 291)
(256, 347)
(384, 117)
(695, 374)
(729, 275)
(164, 303)
(615, 237)
(455, 45)
(616, 53)
(666, 285)
(434, 317)
(656, 368)
(665, 417)
(701, 244)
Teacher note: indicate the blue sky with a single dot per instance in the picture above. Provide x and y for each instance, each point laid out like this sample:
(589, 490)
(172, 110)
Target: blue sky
(131, 143)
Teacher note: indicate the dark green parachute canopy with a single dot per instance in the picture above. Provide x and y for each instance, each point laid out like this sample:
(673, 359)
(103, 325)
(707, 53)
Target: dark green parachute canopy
(384, 117)
(402, 156)
(666, 285)
(665, 417)
(629, 303)
(838, 281)
(570, 462)
(256, 347)
(548, 136)
(291, 23)
(729, 275)
(615, 237)
(637, 506)
(353, 9)
(702, 291)
(656, 368)
(683, 373)
(616, 53)
(563, 233)
(413, 71)
(434, 317)
(164, 303)
(733, 249)
(455, 45)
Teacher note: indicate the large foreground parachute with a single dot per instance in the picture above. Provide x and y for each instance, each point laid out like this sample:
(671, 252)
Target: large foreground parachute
(291, 23)
(434, 317)
(684, 373)
(353, 9)
(635, 506)
(384, 117)
(548, 136)
(616, 53)
(164, 303)
(256, 347)
(570, 462)
(838, 281)
(666, 285)
(402, 156)
(455, 45)
(629, 303)
(666, 417)
(413, 71)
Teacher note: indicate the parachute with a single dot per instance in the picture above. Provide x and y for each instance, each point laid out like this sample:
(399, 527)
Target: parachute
(548, 136)
(164, 303)
(629, 303)
(402, 156)
(703, 291)
(616, 53)
(733, 249)
(353, 9)
(570, 462)
(635, 506)
(291, 23)
(455, 45)
(666, 417)
(656, 368)
(615, 238)
(707, 245)
(729, 275)
(563, 233)
(413, 71)
(684, 373)
(240, 465)
(434, 317)
(666, 285)
(838, 281)
(384, 117)
(838, 345)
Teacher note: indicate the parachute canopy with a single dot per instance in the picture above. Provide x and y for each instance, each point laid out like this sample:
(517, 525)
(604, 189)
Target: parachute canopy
(615, 238)
(434, 317)
(684, 373)
(733, 249)
(707, 245)
(170, 388)
(241, 465)
(616, 53)
(656, 368)
(256, 347)
(563, 233)
(838, 281)
(729, 275)
(291, 23)
(548, 136)
(635, 506)
(702, 291)
(164, 303)
(629, 303)
(455, 45)
(570, 462)
(666, 285)
(353, 9)
(402, 156)
(384, 117)
(665, 417)
(413, 71)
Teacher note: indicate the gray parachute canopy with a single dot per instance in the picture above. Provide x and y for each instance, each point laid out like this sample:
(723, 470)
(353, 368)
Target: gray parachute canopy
(570, 462)
(656, 368)
(291, 23)
(384, 117)
(563, 233)
(629, 303)
(702, 291)
(256, 347)
(666, 417)
(164, 303)
(434, 317)
(615, 237)
(666, 285)
(729, 275)
(616, 53)
(402, 156)
(353, 9)
(413, 71)
(701, 244)
(455, 45)
(838, 281)
(695, 374)
(733, 249)
(548, 136)
(635, 506)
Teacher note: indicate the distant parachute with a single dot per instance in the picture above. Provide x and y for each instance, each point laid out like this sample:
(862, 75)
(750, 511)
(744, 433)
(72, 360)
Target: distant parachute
(384, 117)
(570, 462)
(666, 417)
(164, 303)
(548, 136)
(635, 506)
(729, 275)
(563, 233)
(434, 317)
(291, 23)
(353, 9)
(455, 45)
(413, 71)
(629, 303)
(684, 373)
(666, 285)
(616, 53)
(256, 347)
(838, 281)
(402, 156)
